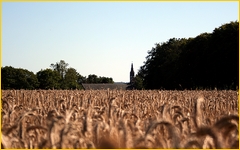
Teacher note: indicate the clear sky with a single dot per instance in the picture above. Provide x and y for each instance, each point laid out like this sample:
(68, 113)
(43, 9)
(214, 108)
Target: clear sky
(101, 38)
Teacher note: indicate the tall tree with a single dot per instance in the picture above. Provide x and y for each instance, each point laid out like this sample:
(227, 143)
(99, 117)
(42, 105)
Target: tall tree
(60, 67)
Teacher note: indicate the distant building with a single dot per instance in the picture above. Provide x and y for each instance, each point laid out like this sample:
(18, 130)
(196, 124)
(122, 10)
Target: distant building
(132, 76)
(111, 86)
(105, 86)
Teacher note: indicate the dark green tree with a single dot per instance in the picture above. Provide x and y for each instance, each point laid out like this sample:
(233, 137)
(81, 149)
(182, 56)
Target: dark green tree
(59, 77)
(8, 77)
(71, 79)
(49, 79)
(160, 66)
(18, 78)
(81, 79)
(92, 78)
(208, 61)
(224, 47)
(138, 82)
(105, 80)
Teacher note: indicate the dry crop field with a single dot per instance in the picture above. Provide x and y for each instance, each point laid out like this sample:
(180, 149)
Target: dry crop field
(119, 119)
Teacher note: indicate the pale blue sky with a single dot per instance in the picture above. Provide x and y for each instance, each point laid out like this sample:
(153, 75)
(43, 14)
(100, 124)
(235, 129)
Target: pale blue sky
(101, 38)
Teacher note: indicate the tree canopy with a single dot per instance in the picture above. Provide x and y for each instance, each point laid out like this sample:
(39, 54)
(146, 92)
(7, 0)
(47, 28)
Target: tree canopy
(208, 61)
(59, 77)
(18, 78)
(49, 79)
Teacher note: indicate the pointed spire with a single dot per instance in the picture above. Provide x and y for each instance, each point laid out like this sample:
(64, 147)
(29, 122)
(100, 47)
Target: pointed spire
(131, 74)
(132, 69)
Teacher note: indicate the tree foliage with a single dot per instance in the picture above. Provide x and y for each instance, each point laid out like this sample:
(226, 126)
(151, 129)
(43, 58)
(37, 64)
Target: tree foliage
(59, 77)
(18, 78)
(60, 67)
(49, 79)
(92, 78)
(207, 61)
(71, 79)
(138, 82)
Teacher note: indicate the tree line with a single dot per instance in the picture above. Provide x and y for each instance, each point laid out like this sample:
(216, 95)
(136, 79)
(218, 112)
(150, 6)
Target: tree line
(208, 61)
(58, 77)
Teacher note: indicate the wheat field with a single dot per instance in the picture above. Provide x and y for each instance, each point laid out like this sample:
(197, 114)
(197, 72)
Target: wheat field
(119, 119)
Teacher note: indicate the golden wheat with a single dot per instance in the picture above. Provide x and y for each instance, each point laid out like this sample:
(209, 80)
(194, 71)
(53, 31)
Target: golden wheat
(119, 119)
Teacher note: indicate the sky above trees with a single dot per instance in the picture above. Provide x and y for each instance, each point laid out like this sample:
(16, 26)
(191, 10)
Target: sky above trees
(98, 37)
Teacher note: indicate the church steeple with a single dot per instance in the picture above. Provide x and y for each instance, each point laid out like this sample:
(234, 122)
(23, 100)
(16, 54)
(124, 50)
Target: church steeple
(131, 75)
